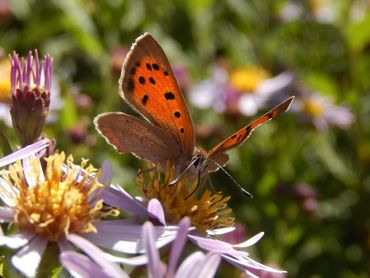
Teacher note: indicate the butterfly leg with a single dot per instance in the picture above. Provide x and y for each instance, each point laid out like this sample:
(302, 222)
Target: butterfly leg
(211, 184)
(197, 186)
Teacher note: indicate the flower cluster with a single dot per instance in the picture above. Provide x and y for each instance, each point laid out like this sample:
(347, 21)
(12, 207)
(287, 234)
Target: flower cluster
(247, 90)
(240, 90)
(55, 208)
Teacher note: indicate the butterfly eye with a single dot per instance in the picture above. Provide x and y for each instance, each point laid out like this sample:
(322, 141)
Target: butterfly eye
(196, 160)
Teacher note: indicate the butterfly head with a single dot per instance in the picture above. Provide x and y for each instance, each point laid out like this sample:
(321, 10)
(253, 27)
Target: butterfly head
(198, 162)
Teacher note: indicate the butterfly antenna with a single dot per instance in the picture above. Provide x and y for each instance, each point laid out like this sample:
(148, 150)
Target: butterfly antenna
(245, 192)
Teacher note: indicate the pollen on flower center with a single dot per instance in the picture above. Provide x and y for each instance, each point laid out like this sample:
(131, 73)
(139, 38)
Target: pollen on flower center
(247, 80)
(207, 210)
(313, 108)
(55, 201)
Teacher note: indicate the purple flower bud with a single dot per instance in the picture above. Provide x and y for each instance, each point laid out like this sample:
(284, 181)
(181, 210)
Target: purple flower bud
(30, 95)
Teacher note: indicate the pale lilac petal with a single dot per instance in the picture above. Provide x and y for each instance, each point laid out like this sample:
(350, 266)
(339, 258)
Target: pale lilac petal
(178, 245)
(107, 172)
(28, 259)
(8, 193)
(24, 152)
(249, 104)
(320, 123)
(96, 254)
(154, 263)
(210, 265)
(199, 265)
(270, 86)
(64, 245)
(133, 261)
(216, 246)
(220, 231)
(203, 95)
(340, 116)
(257, 273)
(190, 266)
(156, 209)
(127, 238)
(246, 263)
(18, 240)
(105, 179)
(238, 258)
(6, 215)
(82, 266)
(253, 240)
(119, 198)
(251, 274)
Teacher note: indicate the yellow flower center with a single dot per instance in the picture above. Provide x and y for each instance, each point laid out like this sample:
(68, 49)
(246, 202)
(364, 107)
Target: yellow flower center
(246, 80)
(58, 203)
(313, 108)
(207, 210)
(5, 85)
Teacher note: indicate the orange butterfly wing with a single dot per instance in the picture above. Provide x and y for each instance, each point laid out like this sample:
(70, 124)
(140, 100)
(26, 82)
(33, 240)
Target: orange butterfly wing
(241, 135)
(148, 85)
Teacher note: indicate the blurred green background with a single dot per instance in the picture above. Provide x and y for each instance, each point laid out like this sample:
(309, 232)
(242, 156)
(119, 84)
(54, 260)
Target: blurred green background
(311, 182)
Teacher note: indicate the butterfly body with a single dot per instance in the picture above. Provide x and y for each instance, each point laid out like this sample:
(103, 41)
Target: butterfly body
(148, 85)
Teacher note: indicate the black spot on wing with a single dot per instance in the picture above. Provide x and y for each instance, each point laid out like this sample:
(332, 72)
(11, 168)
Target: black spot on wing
(151, 80)
(130, 85)
(248, 129)
(145, 99)
(166, 73)
(141, 80)
(232, 137)
(270, 115)
(169, 95)
(177, 114)
(155, 66)
(182, 130)
(132, 70)
(148, 66)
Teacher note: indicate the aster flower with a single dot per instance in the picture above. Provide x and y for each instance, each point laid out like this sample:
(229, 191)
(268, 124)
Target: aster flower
(321, 112)
(245, 90)
(59, 205)
(265, 88)
(207, 210)
(208, 214)
(195, 265)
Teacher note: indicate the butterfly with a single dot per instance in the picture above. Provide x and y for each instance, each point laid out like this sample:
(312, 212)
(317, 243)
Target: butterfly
(148, 85)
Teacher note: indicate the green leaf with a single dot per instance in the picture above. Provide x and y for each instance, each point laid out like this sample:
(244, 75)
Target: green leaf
(4, 144)
(358, 34)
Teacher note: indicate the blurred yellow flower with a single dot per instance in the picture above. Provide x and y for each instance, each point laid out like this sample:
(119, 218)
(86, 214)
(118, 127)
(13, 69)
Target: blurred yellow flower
(4, 80)
(313, 108)
(246, 80)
